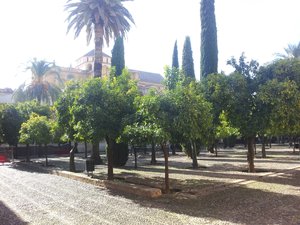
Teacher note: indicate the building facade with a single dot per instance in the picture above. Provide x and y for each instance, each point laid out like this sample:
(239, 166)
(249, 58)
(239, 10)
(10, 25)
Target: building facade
(83, 69)
(6, 95)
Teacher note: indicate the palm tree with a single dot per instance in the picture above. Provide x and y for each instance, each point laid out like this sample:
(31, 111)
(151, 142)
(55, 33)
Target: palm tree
(291, 52)
(104, 19)
(42, 87)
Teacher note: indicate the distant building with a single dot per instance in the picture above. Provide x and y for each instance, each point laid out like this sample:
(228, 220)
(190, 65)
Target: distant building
(147, 80)
(86, 62)
(6, 95)
(83, 69)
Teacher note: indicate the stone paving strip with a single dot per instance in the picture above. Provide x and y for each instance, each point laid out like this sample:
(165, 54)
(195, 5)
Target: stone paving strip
(136, 189)
(134, 186)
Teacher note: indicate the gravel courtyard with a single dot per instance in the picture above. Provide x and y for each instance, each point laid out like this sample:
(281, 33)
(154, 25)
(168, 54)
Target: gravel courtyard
(219, 192)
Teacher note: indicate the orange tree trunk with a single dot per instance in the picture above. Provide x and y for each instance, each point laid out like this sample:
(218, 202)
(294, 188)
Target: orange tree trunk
(263, 147)
(250, 155)
(110, 157)
(96, 153)
(166, 156)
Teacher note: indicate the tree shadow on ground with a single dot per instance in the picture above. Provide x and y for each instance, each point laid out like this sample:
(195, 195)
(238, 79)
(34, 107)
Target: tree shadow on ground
(242, 205)
(7, 216)
(256, 160)
(201, 175)
(28, 167)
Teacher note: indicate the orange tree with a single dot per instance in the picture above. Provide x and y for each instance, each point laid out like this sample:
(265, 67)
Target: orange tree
(36, 130)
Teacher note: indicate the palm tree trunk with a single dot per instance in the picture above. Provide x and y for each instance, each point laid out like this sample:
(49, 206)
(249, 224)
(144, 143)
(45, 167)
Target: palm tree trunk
(98, 51)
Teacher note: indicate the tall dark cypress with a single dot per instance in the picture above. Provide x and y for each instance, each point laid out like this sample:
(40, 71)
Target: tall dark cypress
(175, 62)
(209, 45)
(187, 59)
(117, 59)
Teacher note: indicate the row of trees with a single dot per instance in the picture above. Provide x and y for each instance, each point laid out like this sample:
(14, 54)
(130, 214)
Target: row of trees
(12, 118)
(252, 101)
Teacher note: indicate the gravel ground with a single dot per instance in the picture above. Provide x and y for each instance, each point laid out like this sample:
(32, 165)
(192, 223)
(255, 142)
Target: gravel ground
(220, 193)
(41, 198)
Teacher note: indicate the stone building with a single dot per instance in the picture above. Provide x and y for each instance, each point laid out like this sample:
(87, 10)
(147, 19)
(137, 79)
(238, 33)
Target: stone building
(6, 95)
(83, 69)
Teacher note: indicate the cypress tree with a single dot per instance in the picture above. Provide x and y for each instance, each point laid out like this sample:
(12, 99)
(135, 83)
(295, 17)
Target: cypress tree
(209, 45)
(187, 59)
(172, 74)
(117, 59)
(120, 150)
(175, 62)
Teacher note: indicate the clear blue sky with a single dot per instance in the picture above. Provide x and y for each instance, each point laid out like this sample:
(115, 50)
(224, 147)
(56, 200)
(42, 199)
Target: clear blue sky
(36, 28)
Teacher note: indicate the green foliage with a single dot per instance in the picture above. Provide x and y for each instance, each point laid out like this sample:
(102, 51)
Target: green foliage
(291, 52)
(247, 69)
(173, 77)
(242, 107)
(57, 132)
(225, 130)
(217, 93)
(283, 98)
(36, 129)
(282, 70)
(279, 94)
(145, 127)
(20, 94)
(118, 60)
(64, 110)
(10, 124)
(209, 44)
(100, 108)
(118, 99)
(180, 115)
(187, 148)
(175, 61)
(194, 117)
(187, 60)
(28, 107)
